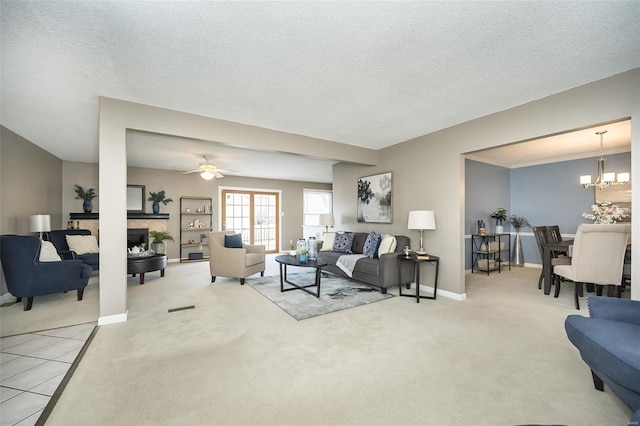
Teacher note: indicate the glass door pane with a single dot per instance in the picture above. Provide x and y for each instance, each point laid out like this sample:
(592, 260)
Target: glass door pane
(254, 214)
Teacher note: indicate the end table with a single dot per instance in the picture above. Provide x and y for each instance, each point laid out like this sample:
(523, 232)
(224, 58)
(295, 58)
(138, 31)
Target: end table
(417, 260)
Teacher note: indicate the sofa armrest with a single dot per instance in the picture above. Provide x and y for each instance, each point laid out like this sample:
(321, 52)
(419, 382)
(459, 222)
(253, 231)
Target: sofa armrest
(610, 308)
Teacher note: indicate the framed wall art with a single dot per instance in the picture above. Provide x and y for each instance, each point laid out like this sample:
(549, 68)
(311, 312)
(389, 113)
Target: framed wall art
(374, 198)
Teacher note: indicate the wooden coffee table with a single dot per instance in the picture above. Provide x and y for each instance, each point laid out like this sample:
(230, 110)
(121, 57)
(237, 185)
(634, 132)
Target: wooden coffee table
(140, 265)
(286, 260)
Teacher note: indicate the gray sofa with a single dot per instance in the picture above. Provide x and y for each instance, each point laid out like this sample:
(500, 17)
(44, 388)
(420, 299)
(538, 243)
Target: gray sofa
(380, 272)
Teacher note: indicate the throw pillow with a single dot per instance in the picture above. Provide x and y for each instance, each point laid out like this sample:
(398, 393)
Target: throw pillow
(48, 252)
(327, 243)
(371, 245)
(343, 242)
(233, 241)
(387, 245)
(83, 244)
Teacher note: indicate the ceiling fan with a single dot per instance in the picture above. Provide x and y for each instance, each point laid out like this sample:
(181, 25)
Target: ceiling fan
(207, 170)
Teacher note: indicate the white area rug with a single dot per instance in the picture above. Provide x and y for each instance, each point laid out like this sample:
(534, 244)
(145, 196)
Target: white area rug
(336, 293)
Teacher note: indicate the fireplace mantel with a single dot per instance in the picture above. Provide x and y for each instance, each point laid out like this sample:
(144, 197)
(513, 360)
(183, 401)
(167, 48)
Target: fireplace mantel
(95, 216)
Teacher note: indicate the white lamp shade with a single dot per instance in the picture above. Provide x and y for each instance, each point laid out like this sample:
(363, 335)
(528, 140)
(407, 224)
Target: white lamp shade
(609, 177)
(585, 180)
(327, 219)
(40, 223)
(422, 219)
(623, 177)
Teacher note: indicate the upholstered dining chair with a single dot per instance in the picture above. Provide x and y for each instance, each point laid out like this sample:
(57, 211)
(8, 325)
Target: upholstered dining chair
(597, 258)
(230, 257)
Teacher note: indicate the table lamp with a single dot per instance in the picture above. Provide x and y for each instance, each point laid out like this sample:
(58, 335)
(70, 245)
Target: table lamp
(327, 220)
(422, 219)
(40, 223)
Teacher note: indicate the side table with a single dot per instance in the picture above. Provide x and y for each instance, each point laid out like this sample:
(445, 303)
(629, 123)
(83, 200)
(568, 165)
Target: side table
(417, 260)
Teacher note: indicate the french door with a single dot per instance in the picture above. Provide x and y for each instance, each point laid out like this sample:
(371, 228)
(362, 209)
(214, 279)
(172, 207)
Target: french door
(255, 214)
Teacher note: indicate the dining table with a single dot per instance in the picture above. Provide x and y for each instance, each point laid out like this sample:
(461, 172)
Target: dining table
(561, 246)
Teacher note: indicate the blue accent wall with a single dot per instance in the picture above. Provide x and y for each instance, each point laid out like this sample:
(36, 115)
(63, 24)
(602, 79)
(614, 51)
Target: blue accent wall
(548, 194)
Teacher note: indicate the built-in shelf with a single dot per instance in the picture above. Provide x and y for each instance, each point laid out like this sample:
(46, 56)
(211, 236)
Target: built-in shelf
(95, 216)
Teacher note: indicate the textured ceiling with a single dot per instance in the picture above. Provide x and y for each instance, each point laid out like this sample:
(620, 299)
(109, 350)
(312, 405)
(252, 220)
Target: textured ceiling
(370, 74)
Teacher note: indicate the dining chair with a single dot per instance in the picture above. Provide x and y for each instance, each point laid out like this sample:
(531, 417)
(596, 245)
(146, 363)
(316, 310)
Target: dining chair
(597, 258)
(547, 234)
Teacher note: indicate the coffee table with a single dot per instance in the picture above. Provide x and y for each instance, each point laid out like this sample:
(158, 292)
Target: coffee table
(285, 260)
(140, 265)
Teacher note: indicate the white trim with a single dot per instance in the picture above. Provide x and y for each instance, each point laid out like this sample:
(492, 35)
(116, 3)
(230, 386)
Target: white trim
(113, 319)
(444, 293)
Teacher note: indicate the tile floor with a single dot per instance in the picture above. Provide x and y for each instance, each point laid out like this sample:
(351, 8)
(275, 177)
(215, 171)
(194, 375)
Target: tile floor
(31, 368)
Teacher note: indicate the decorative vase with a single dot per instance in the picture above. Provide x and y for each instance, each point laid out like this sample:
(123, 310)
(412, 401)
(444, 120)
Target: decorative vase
(517, 256)
(302, 250)
(302, 258)
(499, 227)
(158, 248)
(155, 207)
(87, 206)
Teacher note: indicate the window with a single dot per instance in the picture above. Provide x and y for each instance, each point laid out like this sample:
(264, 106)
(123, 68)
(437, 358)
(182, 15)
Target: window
(316, 202)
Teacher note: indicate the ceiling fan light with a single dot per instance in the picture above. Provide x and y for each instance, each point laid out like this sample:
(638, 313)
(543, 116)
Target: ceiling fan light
(207, 175)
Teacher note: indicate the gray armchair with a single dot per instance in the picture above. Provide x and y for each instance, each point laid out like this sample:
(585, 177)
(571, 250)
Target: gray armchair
(234, 262)
(27, 277)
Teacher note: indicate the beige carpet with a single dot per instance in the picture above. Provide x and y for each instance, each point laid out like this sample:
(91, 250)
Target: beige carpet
(499, 358)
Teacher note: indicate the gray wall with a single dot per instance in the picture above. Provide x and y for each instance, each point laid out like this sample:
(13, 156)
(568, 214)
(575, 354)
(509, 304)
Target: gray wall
(177, 185)
(30, 183)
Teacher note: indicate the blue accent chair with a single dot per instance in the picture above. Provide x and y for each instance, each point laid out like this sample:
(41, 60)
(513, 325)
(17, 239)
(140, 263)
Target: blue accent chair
(59, 240)
(27, 277)
(609, 342)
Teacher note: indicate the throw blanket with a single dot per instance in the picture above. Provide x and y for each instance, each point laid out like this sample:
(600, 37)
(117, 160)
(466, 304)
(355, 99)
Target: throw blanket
(347, 263)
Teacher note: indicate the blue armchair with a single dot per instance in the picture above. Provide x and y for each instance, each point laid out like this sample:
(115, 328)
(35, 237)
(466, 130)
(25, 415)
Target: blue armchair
(27, 277)
(59, 239)
(609, 342)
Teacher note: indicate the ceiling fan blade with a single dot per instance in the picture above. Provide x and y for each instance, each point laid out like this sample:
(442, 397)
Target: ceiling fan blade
(191, 171)
(218, 175)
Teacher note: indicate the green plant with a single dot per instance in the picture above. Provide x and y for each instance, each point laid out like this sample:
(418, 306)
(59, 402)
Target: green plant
(87, 195)
(160, 236)
(159, 197)
(203, 235)
(499, 214)
(303, 252)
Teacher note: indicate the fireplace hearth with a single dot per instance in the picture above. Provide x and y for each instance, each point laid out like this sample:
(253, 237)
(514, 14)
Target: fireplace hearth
(137, 237)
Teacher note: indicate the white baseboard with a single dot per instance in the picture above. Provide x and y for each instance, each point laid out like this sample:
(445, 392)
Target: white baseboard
(113, 319)
(445, 293)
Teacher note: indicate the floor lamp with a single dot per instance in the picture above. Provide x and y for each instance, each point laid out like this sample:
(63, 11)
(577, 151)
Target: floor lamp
(40, 223)
(422, 219)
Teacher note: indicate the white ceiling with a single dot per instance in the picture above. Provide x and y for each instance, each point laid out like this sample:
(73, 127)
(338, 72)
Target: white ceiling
(370, 74)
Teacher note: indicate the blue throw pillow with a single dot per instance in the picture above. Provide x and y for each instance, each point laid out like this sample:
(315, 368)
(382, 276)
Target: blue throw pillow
(233, 241)
(343, 242)
(371, 245)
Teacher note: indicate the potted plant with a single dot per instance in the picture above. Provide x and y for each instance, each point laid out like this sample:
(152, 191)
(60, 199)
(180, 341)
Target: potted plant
(87, 196)
(203, 238)
(157, 198)
(159, 237)
(302, 255)
(517, 256)
(500, 215)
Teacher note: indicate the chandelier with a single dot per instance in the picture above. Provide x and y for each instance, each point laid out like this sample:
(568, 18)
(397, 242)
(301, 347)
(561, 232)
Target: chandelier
(604, 180)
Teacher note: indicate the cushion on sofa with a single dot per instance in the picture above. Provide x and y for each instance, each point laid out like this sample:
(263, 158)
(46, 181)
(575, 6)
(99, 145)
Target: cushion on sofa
(371, 245)
(48, 252)
(327, 241)
(359, 238)
(83, 244)
(387, 245)
(343, 242)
